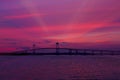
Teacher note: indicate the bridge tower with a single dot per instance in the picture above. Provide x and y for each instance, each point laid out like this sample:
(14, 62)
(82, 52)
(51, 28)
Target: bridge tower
(57, 47)
(34, 46)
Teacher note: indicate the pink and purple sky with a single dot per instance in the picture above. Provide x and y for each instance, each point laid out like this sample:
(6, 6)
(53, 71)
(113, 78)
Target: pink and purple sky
(74, 23)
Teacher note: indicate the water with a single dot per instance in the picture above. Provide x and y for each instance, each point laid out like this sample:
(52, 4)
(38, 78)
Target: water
(59, 67)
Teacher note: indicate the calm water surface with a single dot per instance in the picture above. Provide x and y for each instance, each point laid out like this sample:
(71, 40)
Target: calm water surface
(59, 67)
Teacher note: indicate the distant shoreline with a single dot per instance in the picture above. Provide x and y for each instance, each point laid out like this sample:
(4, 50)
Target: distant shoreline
(25, 54)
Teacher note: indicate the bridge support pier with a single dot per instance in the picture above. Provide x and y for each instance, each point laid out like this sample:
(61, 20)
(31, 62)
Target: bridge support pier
(57, 48)
(76, 51)
(70, 51)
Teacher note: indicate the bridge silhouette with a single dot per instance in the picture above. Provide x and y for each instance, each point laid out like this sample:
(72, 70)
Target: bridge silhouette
(65, 51)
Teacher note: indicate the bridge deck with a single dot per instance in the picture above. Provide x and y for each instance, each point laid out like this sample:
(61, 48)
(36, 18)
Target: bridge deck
(65, 51)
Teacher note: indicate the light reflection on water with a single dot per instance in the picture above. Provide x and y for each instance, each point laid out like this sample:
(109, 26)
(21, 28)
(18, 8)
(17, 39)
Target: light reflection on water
(59, 67)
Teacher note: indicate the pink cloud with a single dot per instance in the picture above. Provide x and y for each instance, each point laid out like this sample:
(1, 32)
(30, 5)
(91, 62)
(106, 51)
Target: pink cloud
(23, 16)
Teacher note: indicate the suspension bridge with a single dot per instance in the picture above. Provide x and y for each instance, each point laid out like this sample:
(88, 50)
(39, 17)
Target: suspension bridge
(63, 51)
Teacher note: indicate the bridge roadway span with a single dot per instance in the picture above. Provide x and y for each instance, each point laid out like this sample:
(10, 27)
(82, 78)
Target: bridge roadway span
(65, 51)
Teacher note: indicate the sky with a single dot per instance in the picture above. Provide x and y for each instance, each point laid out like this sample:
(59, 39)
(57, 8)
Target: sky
(93, 24)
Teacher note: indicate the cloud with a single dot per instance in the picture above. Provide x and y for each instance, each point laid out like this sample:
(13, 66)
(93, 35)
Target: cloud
(116, 20)
(24, 16)
(105, 29)
(18, 23)
(92, 11)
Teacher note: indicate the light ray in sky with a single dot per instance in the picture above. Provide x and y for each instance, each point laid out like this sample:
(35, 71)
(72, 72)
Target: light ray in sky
(71, 25)
(31, 7)
(77, 13)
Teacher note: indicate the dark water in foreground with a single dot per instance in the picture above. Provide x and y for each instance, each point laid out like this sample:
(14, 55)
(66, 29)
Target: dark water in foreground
(60, 67)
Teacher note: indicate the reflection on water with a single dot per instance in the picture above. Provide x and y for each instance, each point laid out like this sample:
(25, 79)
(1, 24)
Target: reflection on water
(59, 68)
